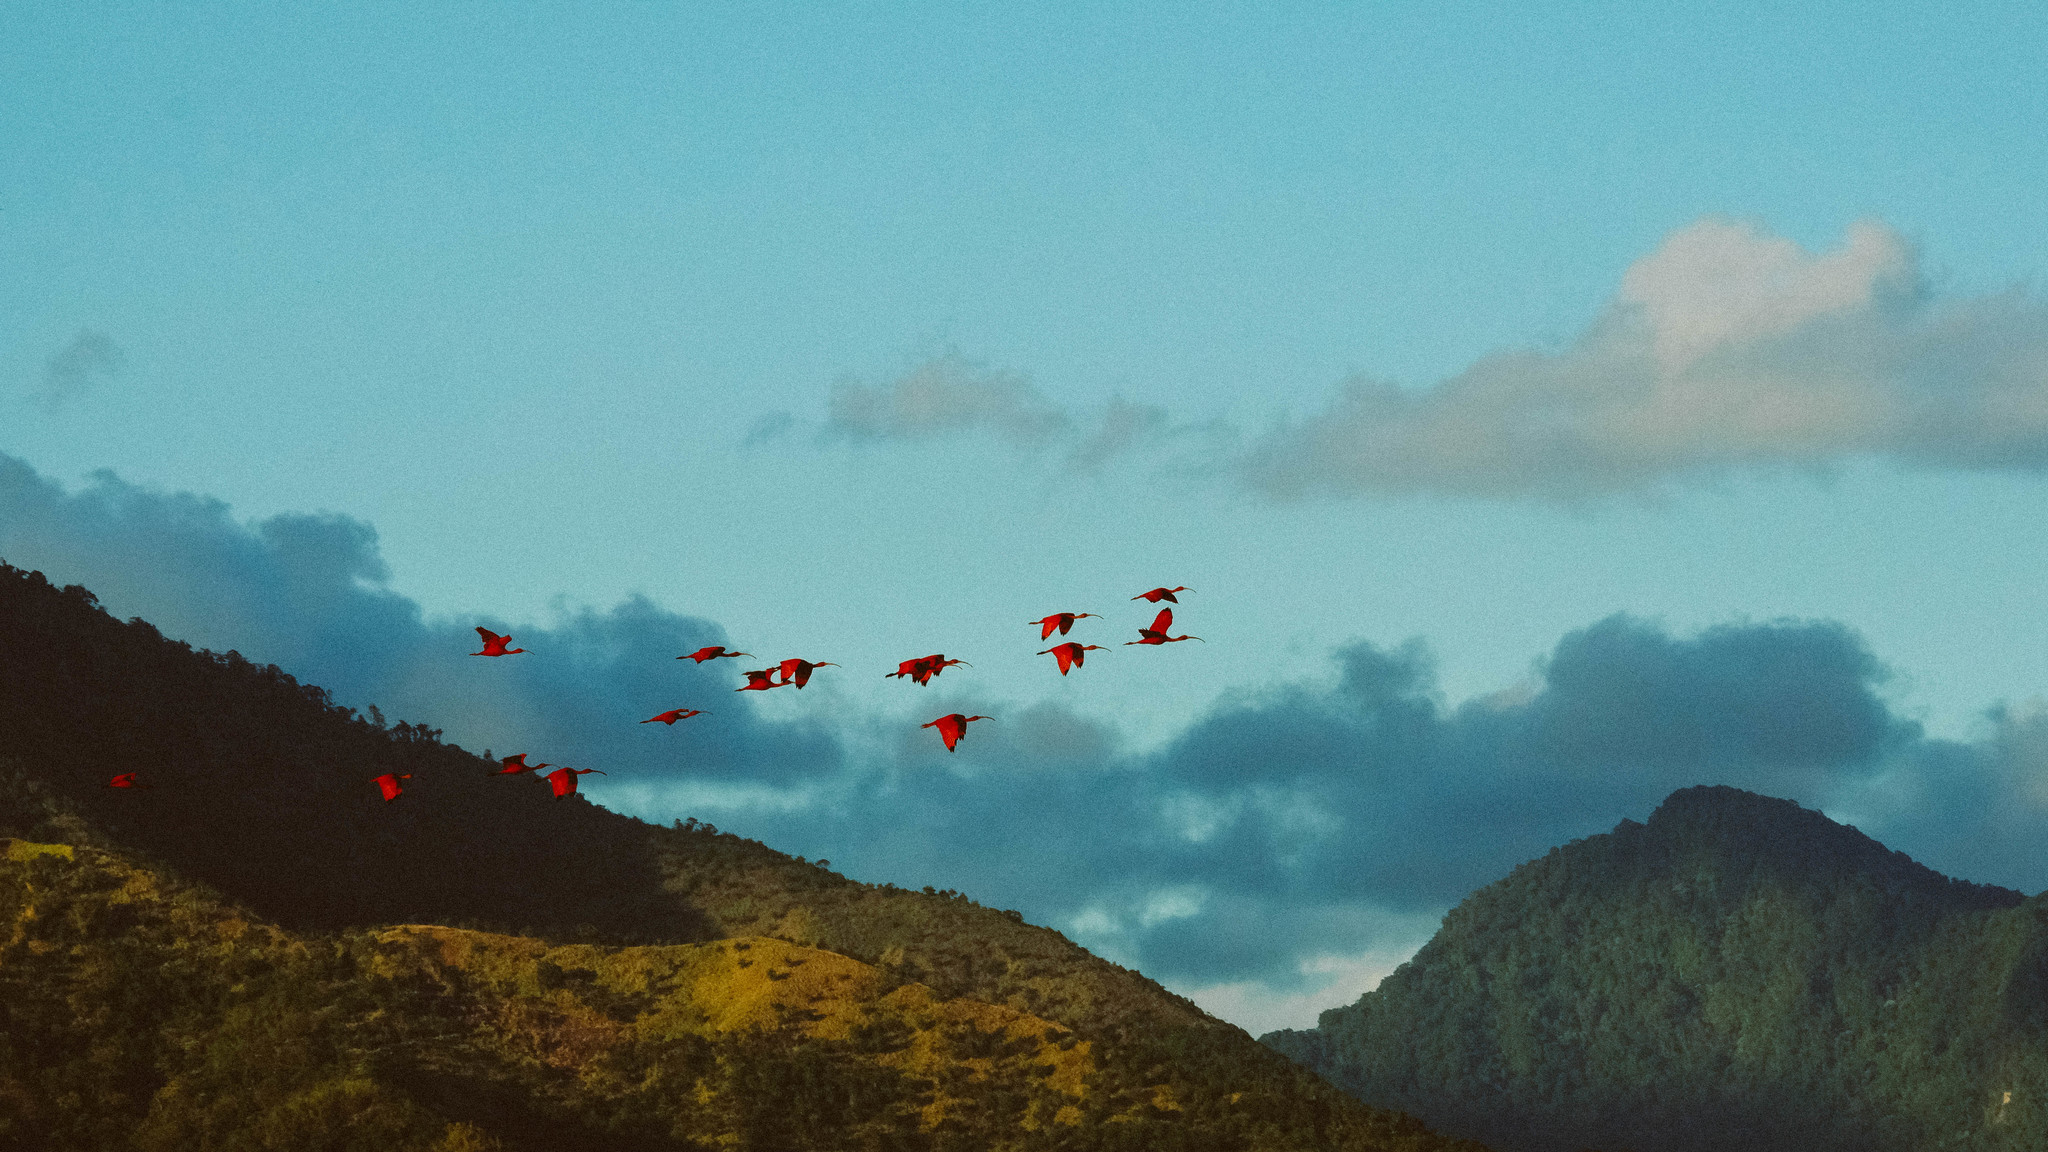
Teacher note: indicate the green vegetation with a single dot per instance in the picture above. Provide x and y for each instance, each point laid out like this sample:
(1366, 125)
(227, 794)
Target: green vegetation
(1737, 973)
(259, 953)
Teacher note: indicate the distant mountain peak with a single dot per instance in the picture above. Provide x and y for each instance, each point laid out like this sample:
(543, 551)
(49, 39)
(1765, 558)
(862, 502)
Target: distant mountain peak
(1711, 801)
(1739, 971)
(1742, 824)
(1721, 810)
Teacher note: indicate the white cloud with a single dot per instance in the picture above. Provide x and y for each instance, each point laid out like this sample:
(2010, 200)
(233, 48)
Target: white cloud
(951, 396)
(1720, 283)
(945, 396)
(1327, 981)
(1727, 347)
(1176, 903)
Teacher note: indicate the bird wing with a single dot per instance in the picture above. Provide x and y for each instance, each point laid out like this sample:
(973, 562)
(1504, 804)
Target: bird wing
(1161, 622)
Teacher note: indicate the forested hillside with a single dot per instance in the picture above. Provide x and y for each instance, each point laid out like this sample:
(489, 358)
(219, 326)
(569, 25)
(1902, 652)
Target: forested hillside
(214, 961)
(1739, 972)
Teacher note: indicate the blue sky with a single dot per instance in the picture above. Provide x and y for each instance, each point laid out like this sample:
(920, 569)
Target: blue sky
(859, 332)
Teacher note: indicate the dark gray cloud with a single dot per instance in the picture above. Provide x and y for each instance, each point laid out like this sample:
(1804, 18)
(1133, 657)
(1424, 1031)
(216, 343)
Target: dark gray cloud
(1317, 819)
(308, 593)
(1283, 831)
(77, 367)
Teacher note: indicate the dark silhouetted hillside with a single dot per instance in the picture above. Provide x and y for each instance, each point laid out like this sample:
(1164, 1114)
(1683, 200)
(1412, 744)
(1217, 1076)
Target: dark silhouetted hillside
(211, 962)
(1737, 973)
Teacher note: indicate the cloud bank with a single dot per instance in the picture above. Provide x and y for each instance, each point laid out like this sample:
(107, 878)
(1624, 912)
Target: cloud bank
(1287, 839)
(1726, 349)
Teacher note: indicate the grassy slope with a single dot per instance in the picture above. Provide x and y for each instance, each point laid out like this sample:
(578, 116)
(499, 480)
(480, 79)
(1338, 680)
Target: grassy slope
(261, 795)
(1737, 973)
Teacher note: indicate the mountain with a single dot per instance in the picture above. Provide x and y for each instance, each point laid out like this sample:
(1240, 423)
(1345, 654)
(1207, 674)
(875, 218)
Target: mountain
(1739, 972)
(256, 951)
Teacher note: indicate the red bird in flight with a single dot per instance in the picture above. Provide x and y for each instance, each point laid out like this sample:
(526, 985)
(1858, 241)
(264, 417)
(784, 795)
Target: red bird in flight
(924, 668)
(712, 653)
(1158, 594)
(1156, 634)
(563, 780)
(494, 644)
(672, 715)
(798, 672)
(125, 780)
(514, 765)
(388, 784)
(1070, 654)
(1060, 622)
(760, 681)
(952, 726)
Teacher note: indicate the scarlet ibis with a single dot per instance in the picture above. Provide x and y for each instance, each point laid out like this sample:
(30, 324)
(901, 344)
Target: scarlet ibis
(760, 681)
(494, 644)
(1158, 594)
(672, 715)
(514, 765)
(564, 779)
(1156, 634)
(951, 726)
(798, 672)
(388, 784)
(1060, 621)
(1070, 654)
(125, 780)
(712, 653)
(924, 668)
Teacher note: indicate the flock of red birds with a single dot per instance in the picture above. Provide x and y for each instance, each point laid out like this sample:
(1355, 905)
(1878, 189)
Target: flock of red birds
(796, 673)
